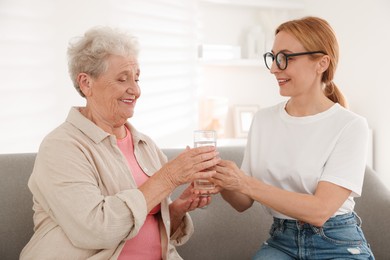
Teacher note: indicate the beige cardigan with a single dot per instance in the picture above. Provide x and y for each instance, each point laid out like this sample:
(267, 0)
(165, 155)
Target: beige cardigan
(86, 201)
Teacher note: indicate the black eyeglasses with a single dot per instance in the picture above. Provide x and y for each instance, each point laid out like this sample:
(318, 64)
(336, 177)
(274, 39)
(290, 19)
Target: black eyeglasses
(282, 58)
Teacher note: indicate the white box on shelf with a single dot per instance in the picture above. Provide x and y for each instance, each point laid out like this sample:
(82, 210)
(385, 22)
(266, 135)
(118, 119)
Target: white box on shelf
(219, 52)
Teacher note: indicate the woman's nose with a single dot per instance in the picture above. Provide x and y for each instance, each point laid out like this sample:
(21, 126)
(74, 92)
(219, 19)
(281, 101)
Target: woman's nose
(134, 89)
(274, 68)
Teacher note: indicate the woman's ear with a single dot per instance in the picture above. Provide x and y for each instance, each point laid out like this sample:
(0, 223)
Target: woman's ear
(85, 82)
(323, 64)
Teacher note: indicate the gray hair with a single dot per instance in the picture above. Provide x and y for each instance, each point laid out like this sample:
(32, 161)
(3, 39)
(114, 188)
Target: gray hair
(89, 53)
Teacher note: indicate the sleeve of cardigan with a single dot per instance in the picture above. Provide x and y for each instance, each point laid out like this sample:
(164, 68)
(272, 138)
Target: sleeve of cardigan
(71, 195)
(186, 228)
(183, 232)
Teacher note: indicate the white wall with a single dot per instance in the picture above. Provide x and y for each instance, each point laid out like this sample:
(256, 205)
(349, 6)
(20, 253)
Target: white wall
(248, 84)
(364, 37)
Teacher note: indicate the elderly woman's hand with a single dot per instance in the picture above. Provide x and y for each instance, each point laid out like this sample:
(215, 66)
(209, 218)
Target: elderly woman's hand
(187, 201)
(191, 164)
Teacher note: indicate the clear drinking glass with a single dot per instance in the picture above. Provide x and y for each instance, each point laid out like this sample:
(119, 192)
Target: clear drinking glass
(204, 138)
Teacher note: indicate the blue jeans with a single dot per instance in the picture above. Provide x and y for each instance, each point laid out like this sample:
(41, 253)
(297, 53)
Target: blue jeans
(341, 237)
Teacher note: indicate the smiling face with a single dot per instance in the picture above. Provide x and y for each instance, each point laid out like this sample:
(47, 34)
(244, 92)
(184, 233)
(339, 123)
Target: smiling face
(301, 77)
(111, 97)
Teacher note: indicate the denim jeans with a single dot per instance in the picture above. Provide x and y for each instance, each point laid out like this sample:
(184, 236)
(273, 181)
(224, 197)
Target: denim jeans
(341, 237)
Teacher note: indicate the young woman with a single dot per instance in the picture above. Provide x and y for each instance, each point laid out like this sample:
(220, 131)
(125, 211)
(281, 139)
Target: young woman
(305, 157)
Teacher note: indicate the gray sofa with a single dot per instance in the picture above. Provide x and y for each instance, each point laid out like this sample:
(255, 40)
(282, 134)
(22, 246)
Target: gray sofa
(220, 231)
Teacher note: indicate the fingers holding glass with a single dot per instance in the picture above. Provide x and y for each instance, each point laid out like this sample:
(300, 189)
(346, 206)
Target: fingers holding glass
(228, 176)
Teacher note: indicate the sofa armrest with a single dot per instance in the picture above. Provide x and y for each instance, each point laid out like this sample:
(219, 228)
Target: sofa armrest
(374, 209)
(16, 214)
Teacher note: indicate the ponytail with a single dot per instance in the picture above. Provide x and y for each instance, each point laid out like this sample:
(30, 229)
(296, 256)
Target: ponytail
(333, 93)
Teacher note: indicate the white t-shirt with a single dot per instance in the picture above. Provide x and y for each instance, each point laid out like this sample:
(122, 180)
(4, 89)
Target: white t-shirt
(295, 153)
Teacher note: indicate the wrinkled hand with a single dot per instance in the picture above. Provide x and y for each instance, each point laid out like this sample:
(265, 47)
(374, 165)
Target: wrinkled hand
(189, 201)
(186, 202)
(228, 176)
(191, 164)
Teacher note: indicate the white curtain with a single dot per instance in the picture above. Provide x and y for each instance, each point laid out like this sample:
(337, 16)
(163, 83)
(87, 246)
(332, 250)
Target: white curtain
(36, 92)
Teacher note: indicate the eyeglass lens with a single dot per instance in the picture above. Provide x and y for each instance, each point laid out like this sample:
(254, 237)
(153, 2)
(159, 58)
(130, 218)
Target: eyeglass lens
(281, 60)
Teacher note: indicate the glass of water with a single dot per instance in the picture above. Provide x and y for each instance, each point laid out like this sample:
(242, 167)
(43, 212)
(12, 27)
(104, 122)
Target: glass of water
(204, 138)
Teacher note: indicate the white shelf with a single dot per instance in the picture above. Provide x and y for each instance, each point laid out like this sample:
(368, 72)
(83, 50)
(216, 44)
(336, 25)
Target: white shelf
(281, 4)
(234, 62)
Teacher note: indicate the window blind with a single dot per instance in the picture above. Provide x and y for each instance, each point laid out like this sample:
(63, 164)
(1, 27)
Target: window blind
(36, 92)
(27, 96)
(168, 60)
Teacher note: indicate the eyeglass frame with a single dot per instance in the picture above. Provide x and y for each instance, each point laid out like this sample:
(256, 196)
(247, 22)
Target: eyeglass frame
(287, 55)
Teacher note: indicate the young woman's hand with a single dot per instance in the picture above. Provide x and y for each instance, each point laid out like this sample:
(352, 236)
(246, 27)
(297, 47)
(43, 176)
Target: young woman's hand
(228, 176)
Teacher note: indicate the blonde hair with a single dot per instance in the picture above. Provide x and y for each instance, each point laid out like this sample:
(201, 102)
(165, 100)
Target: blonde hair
(315, 34)
(89, 53)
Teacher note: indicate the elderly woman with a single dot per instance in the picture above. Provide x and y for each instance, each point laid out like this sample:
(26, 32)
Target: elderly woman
(101, 188)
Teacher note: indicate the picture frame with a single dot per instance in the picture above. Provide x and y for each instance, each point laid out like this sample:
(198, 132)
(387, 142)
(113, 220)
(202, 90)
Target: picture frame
(243, 115)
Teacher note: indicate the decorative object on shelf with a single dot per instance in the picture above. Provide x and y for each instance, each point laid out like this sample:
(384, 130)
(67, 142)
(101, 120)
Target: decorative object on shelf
(269, 19)
(243, 116)
(213, 113)
(255, 42)
(219, 52)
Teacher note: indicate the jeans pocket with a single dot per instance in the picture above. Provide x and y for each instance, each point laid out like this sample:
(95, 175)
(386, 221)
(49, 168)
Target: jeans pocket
(272, 230)
(275, 230)
(342, 235)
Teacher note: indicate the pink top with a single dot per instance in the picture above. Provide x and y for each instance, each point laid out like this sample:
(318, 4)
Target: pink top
(146, 245)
